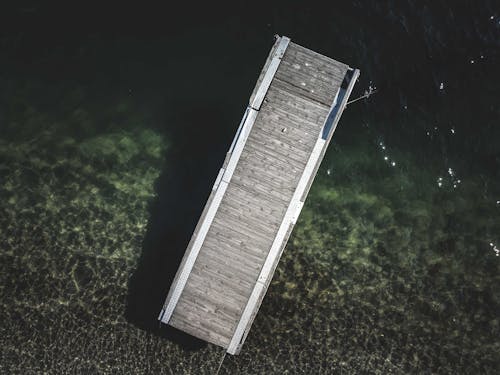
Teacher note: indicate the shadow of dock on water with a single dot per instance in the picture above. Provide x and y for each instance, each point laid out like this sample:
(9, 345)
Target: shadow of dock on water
(182, 189)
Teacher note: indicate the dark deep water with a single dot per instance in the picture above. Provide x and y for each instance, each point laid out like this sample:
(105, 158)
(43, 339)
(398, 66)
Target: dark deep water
(115, 120)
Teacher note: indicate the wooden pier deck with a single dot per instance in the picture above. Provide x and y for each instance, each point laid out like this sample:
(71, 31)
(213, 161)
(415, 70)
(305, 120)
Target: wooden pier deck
(258, 194)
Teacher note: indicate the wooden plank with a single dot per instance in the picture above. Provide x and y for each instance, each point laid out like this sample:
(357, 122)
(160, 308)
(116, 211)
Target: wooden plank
(269, 170)
(285, 188)
(265, 154)
(317, 58)
(302, 62)
(213, 258)
(342, 106)
(254, 206)
(315, 64)
(209, 295)
(233, 287)
(263, 292)
(259, 238)
(196, 326)
(303, 141)
(280, 139)
(233, 214)
(273, 125)
(232, 247)
(274, 119)
(242, 247)
(286, 96)
(262, 188)
(216, 289)
(313, 77)
(194, 249)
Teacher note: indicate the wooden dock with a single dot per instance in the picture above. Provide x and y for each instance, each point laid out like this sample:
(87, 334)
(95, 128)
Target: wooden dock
(258, 194)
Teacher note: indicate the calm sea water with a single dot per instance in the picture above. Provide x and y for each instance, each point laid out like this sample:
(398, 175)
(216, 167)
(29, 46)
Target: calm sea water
(114, 122)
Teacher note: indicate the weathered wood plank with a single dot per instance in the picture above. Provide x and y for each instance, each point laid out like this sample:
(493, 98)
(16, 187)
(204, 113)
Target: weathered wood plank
(272, 125)
(193, 324)
(219, 255)
(205, 288)
(313, 77)
(211, 269)
(233, 247)
(259, 238)
(252, 205)
(285, 188)
(287, 97)
(277, 119)
(200, 311)
(239, 246)
(231, 214)
(275, 132)
(285, 161)
(269, 170)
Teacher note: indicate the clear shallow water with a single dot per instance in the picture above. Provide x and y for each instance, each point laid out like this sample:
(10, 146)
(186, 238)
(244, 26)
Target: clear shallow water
(108, 150)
